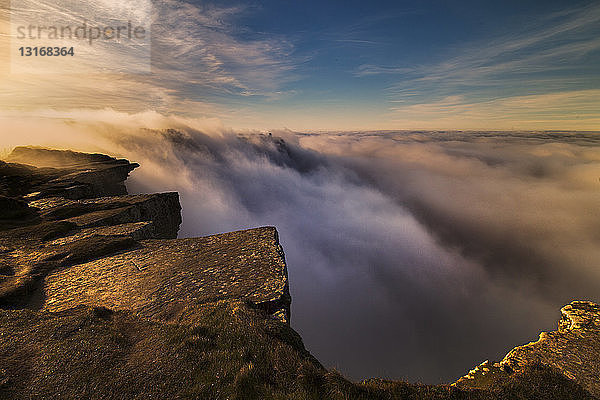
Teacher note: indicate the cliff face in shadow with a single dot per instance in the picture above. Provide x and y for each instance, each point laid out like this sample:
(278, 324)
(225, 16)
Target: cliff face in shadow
(99, 299)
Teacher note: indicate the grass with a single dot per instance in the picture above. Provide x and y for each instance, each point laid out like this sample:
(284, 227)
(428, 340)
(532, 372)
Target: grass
(224, 351)
(20, 286)
(4, 152)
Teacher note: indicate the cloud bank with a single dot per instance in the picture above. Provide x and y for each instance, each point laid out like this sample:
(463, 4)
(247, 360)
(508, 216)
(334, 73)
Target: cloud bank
(411, 255)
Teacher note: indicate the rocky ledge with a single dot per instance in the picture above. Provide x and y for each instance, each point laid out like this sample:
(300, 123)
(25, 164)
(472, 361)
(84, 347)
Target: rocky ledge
(71, 235)
(572, 351)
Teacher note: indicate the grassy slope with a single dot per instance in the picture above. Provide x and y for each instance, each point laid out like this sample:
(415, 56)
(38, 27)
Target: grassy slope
(225, 351)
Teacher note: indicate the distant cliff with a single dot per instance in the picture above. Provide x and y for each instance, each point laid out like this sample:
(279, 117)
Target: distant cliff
(100, 300)
(64, 173)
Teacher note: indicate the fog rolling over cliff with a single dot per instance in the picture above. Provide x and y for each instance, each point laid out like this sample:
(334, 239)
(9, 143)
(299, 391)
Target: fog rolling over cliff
(411, 254)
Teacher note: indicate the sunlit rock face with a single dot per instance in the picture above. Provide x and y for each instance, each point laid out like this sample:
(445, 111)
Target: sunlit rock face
(70, 235)
(580, 315)
(158, 277)
(573, 350)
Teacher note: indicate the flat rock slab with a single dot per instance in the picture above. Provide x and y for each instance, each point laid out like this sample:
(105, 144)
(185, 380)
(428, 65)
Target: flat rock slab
(245, 265)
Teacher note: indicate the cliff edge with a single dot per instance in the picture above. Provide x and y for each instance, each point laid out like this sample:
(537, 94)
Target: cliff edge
(72, 235)
(573, 351)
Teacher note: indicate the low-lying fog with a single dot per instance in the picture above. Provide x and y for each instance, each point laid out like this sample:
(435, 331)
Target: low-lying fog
(411, 255)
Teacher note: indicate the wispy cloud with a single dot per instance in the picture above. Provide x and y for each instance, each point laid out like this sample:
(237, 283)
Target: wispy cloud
(200, 56)
(204, 46)
(561, 110)
(557, 54)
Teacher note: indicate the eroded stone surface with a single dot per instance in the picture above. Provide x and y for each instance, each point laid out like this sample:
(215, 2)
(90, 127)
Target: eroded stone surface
(247, 265)
(80, 246)
(580, 315)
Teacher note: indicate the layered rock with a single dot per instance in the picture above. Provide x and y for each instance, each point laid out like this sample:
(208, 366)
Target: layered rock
(573, 351)
(65, 243)
(160, 212)
(72, 175)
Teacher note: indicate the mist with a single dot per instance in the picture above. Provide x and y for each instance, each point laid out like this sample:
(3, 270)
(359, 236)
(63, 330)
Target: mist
(411, 255)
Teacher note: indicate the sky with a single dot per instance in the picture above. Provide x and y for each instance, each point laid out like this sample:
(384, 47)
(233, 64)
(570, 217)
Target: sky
(335, 65)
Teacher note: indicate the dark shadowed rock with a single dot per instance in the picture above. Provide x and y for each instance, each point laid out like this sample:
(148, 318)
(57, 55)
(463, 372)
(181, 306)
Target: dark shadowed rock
(70, 174)
(19, 179)
(161, 211)
(11, 208)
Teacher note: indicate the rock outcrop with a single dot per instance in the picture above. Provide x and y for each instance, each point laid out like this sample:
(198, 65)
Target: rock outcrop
(158, 277)
(64, 242)
(63, 173)
(573, 351)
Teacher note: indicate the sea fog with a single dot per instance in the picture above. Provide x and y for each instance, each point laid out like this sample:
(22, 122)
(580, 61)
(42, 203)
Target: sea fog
(411, 255)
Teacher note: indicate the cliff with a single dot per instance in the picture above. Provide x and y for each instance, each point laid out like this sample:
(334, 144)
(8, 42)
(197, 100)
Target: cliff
(64, 173)
(158, 277)
(71, 244)
(572, 351)
(99, 299)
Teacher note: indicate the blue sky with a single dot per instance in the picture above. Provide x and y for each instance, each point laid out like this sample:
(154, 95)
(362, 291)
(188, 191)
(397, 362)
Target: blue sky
(344, 65)
(379, 59)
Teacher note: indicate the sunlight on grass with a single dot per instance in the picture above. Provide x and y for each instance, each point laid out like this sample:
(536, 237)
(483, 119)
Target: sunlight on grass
(4, 152)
